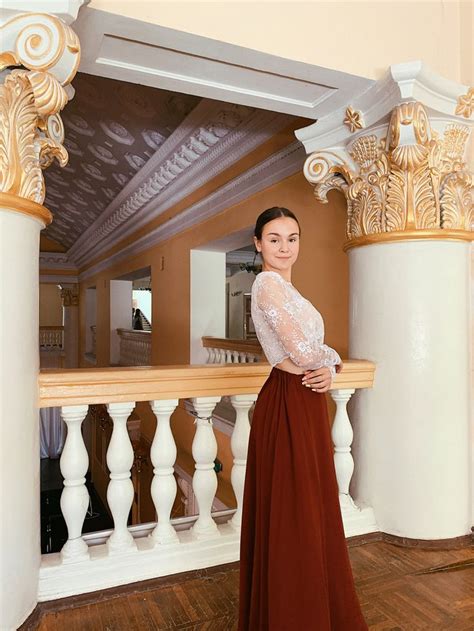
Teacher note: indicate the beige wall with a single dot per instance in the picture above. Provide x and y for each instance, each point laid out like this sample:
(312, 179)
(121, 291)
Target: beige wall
(50, 305)
(361, 38)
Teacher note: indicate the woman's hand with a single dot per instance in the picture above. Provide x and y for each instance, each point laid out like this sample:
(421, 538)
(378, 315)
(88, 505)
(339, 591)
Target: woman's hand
(318, 380)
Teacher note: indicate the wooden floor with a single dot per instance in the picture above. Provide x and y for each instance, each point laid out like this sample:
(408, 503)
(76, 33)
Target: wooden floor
(400, 589)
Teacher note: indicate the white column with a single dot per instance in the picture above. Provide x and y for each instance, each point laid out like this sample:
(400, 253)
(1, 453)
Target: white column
(207, 300)
(19, 416)
(204, 451)
(239, 445)
(409, 313)
(163, 456)
(120, 489)
(31, 98)
(74, 463)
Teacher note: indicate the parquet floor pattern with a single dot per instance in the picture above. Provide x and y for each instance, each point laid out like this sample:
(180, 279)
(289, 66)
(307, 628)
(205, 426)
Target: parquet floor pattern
(396, 590)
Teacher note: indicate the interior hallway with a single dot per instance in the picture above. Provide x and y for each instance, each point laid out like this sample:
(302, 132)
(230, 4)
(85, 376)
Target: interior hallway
(396, 589)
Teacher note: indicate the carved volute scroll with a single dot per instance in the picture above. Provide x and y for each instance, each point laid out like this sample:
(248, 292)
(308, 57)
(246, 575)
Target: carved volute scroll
(411, 180)
(47, 52)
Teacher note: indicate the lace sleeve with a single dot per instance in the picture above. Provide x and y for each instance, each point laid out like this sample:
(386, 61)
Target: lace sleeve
(274, 296)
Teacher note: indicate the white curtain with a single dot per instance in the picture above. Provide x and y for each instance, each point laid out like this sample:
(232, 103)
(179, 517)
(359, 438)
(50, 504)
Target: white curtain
(52, 433)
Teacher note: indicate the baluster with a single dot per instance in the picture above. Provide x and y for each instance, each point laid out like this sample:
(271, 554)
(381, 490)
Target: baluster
(239, 445)
(120, 489)
(342, 436)
(213, 353)
(235, 357)
(222, 356)
(204, 451)
(163, 456)
(74, 497)
(252, 358)
(242, 358)
(228, 357)
(209, 355)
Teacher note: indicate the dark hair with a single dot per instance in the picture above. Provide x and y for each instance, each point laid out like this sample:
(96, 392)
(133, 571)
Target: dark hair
(269, 215)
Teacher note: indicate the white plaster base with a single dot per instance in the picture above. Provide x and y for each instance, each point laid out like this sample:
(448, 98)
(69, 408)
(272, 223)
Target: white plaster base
(409, 313)
(19, 417)
(146, 561)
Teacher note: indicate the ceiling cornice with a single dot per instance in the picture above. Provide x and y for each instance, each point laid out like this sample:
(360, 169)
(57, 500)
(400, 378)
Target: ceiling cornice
(278, 166)
(212, 138)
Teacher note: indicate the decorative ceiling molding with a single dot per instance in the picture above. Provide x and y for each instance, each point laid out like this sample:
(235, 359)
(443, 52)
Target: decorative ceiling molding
(280, 165)
(411, 81)
(112, 130)
(213, 137)
(58, 279)
(55, 260)
(144, 53)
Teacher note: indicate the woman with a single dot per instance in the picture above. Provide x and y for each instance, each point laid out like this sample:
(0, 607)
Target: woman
(295, 572)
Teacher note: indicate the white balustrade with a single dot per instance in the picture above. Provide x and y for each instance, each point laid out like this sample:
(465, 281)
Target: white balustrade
(142, 551)
(163, 456)
(51, 337)
(73, 463)
(239, 445)
(135, 347)
(342, 436)
(204, 449)
(120, 490)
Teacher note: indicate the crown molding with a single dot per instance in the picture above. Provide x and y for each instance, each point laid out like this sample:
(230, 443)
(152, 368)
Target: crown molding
(212, 138)
(56, 260)
(58, 279)
(280, 165)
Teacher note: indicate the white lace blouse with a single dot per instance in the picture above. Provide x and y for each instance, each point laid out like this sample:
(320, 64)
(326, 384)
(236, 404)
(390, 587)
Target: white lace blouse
(287, 325)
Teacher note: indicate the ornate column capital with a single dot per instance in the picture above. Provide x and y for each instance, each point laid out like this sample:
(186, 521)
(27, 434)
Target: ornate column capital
(70, 295)
(399, 155)
(46, 52)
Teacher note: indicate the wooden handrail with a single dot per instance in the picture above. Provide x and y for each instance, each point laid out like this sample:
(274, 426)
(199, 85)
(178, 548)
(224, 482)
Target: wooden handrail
(110, 385)
(242, 346)
(51, 328)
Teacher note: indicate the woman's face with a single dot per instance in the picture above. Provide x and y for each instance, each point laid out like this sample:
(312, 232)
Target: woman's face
(280, 244)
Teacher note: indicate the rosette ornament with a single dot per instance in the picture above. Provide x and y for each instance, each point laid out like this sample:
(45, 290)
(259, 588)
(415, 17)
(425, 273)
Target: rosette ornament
(411, 183)
(31, 131)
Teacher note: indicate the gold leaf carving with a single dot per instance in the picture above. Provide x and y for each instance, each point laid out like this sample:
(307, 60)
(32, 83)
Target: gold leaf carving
(353, 119)
(412, 180)
(465, 104)
(31, 131)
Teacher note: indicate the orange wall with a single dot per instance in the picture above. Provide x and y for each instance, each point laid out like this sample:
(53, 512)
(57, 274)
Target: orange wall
(321, 273)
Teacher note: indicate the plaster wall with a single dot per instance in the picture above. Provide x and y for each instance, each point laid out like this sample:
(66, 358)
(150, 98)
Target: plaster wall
(362, 38)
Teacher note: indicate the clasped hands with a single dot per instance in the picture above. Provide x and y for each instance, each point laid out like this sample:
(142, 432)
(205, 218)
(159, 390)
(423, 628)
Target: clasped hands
(319, 380)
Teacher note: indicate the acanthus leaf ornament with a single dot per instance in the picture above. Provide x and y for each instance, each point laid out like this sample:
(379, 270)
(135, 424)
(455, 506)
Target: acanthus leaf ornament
(31, 98)
(411, 181)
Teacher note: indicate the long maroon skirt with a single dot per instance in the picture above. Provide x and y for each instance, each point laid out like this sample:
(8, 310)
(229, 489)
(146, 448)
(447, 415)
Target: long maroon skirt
(295, 572)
